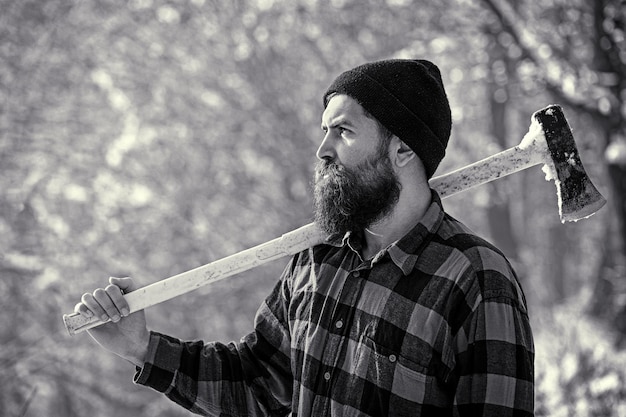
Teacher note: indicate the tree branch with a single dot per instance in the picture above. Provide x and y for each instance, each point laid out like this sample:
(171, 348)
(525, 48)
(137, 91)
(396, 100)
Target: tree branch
(506, 16)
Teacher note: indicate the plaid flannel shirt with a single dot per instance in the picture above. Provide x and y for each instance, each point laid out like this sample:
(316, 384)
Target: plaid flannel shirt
(435, 325)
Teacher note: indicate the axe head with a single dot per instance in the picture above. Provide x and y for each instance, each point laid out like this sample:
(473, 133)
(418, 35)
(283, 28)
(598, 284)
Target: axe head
(578, 197)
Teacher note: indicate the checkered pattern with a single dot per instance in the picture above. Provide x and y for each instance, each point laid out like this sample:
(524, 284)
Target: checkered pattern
(436, 325)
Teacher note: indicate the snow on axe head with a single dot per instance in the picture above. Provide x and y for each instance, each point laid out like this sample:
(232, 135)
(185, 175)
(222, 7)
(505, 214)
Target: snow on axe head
(577, 196)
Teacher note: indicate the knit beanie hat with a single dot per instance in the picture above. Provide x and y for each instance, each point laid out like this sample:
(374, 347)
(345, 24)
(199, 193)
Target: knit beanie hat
(408, 98)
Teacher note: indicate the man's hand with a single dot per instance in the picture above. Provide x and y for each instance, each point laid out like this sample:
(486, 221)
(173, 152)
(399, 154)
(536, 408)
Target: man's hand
(127, 334)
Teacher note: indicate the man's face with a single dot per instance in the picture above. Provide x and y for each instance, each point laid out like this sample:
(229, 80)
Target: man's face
(355, 184)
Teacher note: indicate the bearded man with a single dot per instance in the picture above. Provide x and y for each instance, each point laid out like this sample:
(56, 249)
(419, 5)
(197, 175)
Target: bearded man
(401, 312)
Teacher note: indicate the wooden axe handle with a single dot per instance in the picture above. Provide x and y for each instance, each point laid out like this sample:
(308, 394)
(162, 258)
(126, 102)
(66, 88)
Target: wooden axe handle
(491, 168)
(141, 298)
(532, 151)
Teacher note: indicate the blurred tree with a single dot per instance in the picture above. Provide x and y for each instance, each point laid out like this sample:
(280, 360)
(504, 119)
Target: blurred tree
(500, 71)
(609, 64)
(583, 68)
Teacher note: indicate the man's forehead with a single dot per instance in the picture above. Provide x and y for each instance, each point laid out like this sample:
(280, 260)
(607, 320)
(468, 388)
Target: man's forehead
(342, 109)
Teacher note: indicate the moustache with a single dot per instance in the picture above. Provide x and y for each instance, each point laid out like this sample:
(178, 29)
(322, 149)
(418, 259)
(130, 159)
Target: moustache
(328, 171)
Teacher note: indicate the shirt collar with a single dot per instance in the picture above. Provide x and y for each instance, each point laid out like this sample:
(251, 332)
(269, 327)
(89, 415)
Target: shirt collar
(405, 251)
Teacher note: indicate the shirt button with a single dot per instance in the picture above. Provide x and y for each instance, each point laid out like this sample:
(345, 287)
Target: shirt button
(392, 358)
(356, 274)
(327, 376)
(339, 324)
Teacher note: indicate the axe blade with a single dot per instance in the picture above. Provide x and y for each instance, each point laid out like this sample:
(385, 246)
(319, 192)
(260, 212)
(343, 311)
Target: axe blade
(578, 198)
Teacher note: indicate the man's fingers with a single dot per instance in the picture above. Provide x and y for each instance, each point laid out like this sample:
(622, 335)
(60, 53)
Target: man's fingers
(103, 297)
(107, 303)
(115, 293)
(91, 306)
(82, 309)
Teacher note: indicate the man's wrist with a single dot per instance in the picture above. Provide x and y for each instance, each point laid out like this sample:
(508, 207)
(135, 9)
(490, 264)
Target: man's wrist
(139, 354)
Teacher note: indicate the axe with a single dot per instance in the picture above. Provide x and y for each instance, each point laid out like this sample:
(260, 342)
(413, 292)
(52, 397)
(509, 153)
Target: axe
(549, 141)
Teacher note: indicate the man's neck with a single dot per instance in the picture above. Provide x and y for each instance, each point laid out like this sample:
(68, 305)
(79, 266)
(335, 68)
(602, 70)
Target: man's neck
(404, 217)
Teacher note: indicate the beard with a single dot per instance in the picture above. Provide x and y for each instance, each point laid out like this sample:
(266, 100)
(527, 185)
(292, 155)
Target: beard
(351, 199)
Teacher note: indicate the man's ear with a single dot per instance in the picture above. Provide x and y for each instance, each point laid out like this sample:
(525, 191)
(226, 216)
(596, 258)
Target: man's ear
(403, 154)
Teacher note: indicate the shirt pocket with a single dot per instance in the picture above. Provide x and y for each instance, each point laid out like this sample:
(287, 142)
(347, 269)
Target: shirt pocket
(392, 371)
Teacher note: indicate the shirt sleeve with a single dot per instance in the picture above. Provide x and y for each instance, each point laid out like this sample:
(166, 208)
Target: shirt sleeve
(249, 378)
(495, 356)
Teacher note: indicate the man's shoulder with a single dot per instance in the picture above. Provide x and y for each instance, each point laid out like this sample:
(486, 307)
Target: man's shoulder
(456, 235)
(485, 268)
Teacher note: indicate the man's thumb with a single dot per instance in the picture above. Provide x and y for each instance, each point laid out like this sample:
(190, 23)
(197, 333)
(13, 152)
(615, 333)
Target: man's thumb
(126, 284)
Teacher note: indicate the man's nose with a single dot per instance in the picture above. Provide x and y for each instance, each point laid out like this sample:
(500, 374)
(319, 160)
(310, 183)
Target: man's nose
(326, 149)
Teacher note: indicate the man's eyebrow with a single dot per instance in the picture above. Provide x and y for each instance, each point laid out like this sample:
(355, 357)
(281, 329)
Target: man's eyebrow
(340, 121)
